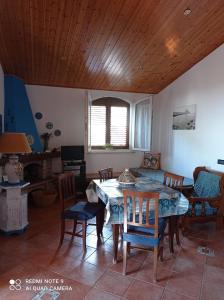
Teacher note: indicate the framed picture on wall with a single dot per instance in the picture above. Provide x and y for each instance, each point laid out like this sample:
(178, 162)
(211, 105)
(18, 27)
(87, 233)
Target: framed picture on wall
(184, 117)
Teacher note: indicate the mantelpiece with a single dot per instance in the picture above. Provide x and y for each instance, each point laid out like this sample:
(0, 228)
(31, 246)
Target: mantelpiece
(37, 169)
(34, 157)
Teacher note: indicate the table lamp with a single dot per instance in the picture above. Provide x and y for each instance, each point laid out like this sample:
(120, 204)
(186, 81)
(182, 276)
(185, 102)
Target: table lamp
(13, 143)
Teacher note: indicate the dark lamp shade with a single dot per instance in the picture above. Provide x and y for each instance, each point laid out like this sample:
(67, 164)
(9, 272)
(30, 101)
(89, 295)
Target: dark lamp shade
(13, 142)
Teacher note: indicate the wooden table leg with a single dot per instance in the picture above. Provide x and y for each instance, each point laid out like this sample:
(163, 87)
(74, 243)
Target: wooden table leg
(115, 229)
(173, 229)
(100, 223)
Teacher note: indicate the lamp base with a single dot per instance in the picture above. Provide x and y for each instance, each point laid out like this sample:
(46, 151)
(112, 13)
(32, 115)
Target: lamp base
(13, 169)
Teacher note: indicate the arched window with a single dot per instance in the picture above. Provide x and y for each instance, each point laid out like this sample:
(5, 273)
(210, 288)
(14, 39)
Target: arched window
(109, 123)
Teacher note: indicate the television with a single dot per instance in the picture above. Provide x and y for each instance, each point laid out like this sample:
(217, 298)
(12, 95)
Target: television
(72, 153)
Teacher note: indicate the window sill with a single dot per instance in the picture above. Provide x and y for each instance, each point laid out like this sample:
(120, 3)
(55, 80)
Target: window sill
(111, 151)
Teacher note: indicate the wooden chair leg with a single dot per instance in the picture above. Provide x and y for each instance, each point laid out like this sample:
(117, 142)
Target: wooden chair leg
(219, 222)
(161, 253)
(171, 233)
(121, 227)
(74, 228)
(155, 260)
(121, 230)
(177, 231)
(185, 225)
(102, 221)
(125, 248)
(62, 231)
(84, 226)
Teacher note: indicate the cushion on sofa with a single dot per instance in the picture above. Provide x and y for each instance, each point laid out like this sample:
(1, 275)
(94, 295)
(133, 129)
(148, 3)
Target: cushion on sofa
(209, 210)
(207, 185)
(151, 161)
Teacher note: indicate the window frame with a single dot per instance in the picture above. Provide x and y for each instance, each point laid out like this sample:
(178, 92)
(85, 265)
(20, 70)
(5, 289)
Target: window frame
(149, 98)
(108, 102)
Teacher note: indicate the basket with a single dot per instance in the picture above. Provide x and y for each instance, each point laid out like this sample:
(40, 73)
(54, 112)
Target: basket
(43, 198)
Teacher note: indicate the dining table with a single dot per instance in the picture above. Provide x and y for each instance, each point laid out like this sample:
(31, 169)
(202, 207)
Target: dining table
(172, 203)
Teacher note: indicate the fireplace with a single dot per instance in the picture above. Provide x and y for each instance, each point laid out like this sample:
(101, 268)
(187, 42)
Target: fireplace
(38, 169)
(32, 172)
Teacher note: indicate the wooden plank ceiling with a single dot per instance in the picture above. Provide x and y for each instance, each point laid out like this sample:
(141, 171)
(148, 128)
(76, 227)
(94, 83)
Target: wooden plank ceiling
(123, 45)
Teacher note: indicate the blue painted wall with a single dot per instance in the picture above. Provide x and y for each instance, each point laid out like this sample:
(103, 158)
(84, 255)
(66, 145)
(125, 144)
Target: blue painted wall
(18, 115)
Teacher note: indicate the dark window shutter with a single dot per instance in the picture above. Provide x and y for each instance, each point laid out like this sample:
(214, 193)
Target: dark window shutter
(109, 123)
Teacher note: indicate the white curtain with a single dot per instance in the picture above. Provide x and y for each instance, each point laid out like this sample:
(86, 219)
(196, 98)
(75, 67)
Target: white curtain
(142, 131)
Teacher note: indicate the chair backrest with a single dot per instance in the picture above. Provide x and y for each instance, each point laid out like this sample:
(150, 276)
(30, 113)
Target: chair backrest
(137, 208)
(66, 188)
(172, 180)
(106, 174)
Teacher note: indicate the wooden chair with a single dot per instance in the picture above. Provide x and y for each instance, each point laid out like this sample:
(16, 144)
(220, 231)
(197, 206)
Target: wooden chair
(142, 226)
(106, 174)
(206, 198)
(175, 182)
(80, 212)
(172, 180)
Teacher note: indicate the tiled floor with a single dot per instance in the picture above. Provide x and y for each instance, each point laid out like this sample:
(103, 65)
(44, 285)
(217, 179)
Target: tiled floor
(186, 275)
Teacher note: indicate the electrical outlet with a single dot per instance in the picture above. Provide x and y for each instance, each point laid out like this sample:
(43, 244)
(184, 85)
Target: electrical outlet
(220, 161)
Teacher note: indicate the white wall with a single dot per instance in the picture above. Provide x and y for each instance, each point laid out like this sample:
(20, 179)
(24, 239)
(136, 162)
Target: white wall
(183, 150)
(61, 106)
(65, 108)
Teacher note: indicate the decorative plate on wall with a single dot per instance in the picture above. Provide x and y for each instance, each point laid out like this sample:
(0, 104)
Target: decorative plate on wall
(57, 132)
(49, 125)
(38, 115)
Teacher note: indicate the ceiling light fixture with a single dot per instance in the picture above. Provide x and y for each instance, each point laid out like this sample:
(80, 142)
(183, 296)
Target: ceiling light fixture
(187, 11)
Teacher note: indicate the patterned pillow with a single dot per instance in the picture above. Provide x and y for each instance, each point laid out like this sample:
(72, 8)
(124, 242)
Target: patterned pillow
(207, 184)
(151, 161)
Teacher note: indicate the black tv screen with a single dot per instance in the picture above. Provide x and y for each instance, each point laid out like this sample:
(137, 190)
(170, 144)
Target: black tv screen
(72, 152)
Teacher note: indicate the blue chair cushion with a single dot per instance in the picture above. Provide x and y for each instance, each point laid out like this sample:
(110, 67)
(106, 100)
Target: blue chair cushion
(209, 210)
(82, 211)
(207, 185)
(149, 240)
